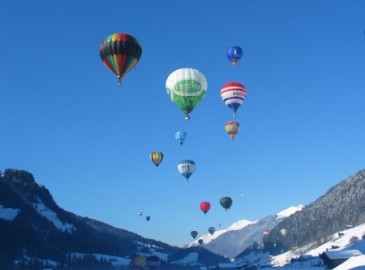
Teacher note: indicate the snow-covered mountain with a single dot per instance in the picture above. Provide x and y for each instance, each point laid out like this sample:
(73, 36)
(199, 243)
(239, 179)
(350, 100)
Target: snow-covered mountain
(347, 244)
(330, 228)
(243, 233)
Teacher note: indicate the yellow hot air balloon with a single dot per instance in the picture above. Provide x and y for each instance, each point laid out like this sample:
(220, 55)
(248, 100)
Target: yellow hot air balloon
(232, 128)
(156, 158)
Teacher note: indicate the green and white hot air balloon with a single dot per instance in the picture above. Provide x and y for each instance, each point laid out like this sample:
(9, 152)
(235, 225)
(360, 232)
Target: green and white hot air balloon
(186, 88)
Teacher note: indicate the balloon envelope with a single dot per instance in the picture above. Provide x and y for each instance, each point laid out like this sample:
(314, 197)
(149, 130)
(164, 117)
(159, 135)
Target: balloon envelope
(186, 88)
(120, 53)
(148, 218)
(156, 158)
(186, 168)
(211, 230)
(180, 136)
(226, 202)
(194, 234)
(232, 128)
(204, 206)
(234, 54)
(233, 94)
(283, 231)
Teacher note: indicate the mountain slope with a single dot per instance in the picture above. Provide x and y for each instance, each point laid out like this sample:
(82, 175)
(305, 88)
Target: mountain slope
(340, 206)
(33, 226)
(242, 234)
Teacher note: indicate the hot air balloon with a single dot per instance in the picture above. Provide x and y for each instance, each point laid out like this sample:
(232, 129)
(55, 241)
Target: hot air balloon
(148, 218)
(156, 158)
(226, 202)
(234, 54)
(120, 53)
(283, 232)
(233, 94)
(140, 213)
(266, 232)
(186, 168)
(194, 234)
(232, 128)
(211, 230)
(204, 206)
(186, 88)
(180, 136)
(200, 241)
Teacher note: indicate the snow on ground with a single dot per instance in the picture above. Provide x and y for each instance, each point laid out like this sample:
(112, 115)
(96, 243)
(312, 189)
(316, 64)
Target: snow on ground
(115, 260)
(342, 243)
(52, 216)
(356, 262)
(342, 240)
(191, 258)
(8, 213)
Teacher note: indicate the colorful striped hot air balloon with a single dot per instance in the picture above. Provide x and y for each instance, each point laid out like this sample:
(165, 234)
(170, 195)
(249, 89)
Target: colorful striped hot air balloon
(232, 128)
(233, 94)
(120, 53)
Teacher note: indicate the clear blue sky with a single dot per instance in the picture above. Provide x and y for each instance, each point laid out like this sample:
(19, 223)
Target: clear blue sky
(64, 118)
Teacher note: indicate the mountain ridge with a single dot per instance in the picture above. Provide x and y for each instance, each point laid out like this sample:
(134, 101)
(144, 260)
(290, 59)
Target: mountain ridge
(32, 225)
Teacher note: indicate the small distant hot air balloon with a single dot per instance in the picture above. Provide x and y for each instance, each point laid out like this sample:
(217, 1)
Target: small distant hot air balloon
(226, 202)
(194, 234)
(140, 213)
(266, 232)
(234, 54)
(120, 53)
(200, 241)
(211, 230)
(186, 168)
(156, 158)
(204, 206)
(180, 136)
(232, 128)
(186, 88)
(283, 232)
(148, 218)
(233, 94)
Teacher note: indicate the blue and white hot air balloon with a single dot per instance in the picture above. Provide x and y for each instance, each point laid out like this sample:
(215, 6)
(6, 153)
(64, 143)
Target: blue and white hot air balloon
(186, 168)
